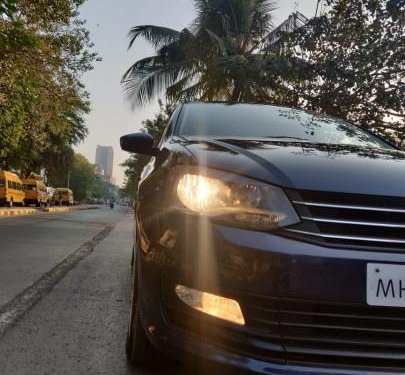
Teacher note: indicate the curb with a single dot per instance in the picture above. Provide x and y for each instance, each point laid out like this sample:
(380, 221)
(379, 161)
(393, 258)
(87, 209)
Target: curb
(55, 209)
(31, 211)
(17, 211)
(87, 207)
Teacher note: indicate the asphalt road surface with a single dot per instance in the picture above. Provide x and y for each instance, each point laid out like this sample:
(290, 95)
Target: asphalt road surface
(64, 295)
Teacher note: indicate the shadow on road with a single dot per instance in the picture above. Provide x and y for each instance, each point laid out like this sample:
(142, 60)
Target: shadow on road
(190, 366)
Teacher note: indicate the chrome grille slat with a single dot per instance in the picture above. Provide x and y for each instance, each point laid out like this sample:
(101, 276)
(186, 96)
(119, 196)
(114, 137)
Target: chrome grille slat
(353, 222)
(342, 341)
(325, 332)
(340, 327)
(343, 237)
(346, 220)
(350, 207)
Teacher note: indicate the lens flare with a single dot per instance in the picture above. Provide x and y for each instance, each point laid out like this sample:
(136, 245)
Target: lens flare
(201, 193)
(211, 304)
(236, 201)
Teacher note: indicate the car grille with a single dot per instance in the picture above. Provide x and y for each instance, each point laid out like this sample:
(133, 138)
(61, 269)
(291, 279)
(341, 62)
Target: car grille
(305, 332)
(330, 333)
(350, 219)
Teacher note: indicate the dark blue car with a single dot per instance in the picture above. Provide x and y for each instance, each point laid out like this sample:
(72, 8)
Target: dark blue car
(271, 239)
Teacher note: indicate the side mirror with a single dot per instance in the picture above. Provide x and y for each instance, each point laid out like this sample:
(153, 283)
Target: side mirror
(139, 143)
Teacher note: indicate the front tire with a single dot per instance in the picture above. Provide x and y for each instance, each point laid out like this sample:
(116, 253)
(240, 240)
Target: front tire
(138, 347)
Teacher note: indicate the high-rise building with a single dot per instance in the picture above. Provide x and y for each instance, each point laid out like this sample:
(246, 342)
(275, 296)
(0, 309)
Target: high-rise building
(104, 158)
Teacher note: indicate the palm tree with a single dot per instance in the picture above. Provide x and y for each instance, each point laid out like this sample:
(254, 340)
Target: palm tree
(222, 56)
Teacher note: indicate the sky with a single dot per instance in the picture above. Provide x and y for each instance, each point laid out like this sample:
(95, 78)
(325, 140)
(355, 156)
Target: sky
(109, 22)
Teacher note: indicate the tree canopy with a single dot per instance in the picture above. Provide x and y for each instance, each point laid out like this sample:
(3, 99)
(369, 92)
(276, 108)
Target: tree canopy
(349, 62)
(357, 51)
(137, 162)
(44, 50)
(220, 57)
(82, 177)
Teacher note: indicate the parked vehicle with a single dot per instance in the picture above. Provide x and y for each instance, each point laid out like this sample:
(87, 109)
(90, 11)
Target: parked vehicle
(11, 189)
(35, 192)
(271, 239)
(63, 197)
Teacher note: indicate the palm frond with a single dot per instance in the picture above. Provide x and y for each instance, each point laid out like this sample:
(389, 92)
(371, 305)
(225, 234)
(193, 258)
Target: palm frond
(155, 35)
(218, 41)
(249, 18)
(216, 59)
(187, 89)
(139, 65)
(143, 89)
(176, 91)
(147, 78)
(182, 48)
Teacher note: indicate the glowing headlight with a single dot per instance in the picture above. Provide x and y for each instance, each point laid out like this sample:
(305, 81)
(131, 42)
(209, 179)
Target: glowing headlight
(200, 193)
(236, 201)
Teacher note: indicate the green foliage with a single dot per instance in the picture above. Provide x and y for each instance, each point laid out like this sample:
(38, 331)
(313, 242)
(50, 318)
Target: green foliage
(221, 57)
(82, 177)
(75, 170)
(137, 162)
(357, 51)
(7, 8)
(101, 189)
(134, 166)
(59, 163)
(348, 63)
(44, 49)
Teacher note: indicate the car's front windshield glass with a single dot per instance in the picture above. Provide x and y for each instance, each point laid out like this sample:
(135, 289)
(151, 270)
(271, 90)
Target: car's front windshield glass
(264, 121)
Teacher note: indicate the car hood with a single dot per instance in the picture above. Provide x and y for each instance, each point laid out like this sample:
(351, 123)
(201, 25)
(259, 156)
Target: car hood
(297, 165)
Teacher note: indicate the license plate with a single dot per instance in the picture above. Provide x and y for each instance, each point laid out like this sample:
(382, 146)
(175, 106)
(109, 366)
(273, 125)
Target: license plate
(386, 285)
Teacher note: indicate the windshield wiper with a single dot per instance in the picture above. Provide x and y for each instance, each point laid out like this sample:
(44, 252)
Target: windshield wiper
(287, 137)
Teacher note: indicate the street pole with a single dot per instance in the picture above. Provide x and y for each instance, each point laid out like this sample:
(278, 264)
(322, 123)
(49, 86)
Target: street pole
(68, 182)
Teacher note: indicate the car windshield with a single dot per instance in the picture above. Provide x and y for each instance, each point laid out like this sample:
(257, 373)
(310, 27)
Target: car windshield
(263, 121)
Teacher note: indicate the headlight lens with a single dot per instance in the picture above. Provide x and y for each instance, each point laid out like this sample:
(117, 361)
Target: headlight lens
(236, 200)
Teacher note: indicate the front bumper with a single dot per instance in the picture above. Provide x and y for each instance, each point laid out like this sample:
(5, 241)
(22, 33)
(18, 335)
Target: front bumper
(304, 305)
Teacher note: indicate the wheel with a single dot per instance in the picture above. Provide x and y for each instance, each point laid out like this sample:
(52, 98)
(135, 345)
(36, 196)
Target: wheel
(138, 347)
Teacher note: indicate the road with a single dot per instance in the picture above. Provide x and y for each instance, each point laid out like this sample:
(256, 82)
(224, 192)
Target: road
(64, 295)
(32, 245)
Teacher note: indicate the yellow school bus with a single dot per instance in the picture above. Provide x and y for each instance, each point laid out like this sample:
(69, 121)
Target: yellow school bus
(35, 192)
(63, 196)
(11, 189)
